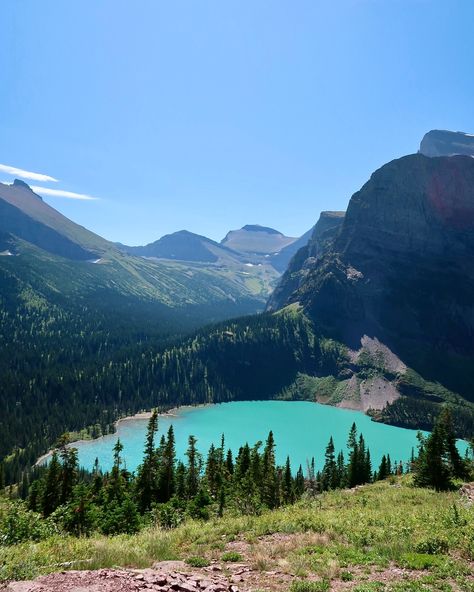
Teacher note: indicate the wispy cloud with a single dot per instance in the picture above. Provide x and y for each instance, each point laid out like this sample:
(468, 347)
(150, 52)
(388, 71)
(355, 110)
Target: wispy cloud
(14, 171)
(61, 193)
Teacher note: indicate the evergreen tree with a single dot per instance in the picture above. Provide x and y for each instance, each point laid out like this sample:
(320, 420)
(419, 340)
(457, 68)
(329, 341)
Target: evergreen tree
(329, 476)
(229, 462)
(288, 492)
(81, 515)
(50, 498)
(212, 471)
(115, 489)
(166, 471)
(299, 482)
(269, 481)
(382, 473)
(438, 460)
(181, 481)
(192, 477)
(353, 467)
(146, 484)
(341, 470)
(69, 470)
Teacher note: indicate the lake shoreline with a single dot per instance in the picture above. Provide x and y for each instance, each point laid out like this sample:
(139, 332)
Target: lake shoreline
(141, 415)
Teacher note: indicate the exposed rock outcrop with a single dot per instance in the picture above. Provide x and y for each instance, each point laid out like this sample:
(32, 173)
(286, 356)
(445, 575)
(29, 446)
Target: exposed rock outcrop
(302, 262)
(446, 143)
(400, 268)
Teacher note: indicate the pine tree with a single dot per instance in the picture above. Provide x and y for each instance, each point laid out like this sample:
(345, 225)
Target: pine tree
(115, 489)
(329, 476)
(353, 465)
(147, 475)
(192, 477)
(166, 470)
(181, 481)
(438, 460)
(269, 481)
(50, 498)
(229, 462)
(69, 472)
(288, 492)
(212, 471)
(382, 473)
(299, 482)
(341, 470)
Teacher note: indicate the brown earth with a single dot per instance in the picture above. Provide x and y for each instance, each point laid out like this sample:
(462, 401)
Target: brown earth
(264, 566)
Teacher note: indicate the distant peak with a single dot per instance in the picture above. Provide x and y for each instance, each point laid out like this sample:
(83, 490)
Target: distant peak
(447, 143)
(20, 183)
(332, 214)
(258, 228)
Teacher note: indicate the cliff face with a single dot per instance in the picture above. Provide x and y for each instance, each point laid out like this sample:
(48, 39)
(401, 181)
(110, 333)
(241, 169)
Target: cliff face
(400, 268)
(304, 259)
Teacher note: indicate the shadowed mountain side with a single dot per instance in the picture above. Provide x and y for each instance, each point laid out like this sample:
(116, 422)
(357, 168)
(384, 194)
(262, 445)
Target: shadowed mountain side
(26, 215)
(400, 269)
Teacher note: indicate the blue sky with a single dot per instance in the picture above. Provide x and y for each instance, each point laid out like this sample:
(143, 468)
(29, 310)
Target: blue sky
(211, 115)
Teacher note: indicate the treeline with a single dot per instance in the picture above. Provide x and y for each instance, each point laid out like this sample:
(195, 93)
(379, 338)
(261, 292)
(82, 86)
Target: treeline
(165, 491)
(67, 367)
(63, 372)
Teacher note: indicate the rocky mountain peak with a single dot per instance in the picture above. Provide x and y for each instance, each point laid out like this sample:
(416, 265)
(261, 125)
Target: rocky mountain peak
(447, 143)
(18, 183)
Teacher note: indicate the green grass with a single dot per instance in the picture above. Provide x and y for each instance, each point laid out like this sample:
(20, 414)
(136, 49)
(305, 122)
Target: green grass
(231, 556)
(339, 536)
(197, 561)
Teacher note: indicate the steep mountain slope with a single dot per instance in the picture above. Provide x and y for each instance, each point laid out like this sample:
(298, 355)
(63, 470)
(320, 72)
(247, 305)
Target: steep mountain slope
(324, 230)
(253, 239)
(52, 251)
(401, 269)
(282, 258)
(24, 214)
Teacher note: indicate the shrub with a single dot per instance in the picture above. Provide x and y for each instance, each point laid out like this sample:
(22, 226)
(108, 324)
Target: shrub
(231, 556)
(432, 546)
(18, 524)
(418, 561)
(197, 561)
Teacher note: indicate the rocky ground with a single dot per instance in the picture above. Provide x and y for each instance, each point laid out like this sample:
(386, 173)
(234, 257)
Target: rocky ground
(252, 574)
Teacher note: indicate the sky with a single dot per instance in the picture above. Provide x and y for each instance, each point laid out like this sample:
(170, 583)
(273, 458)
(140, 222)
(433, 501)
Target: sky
(208, 115)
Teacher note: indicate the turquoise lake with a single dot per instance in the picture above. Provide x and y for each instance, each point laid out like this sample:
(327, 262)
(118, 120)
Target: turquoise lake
(301, 429)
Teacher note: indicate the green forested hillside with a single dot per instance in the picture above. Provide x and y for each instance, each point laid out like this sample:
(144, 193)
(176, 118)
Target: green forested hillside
(109, 365)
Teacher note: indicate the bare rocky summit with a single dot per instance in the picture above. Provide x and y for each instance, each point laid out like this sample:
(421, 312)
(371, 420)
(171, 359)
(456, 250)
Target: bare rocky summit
(447, 143)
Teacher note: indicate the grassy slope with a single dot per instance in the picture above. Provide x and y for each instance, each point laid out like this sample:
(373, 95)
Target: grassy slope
(387, 531)
(172, 284)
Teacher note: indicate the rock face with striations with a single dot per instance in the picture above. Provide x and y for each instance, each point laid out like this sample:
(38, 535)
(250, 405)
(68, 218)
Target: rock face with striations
(400, 268)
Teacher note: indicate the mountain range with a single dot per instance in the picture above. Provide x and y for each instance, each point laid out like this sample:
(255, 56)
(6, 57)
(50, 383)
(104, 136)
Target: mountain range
(374, 312)
(191, 279)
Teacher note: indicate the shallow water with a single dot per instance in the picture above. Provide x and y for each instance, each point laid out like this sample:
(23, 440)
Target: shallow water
(301, 429)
